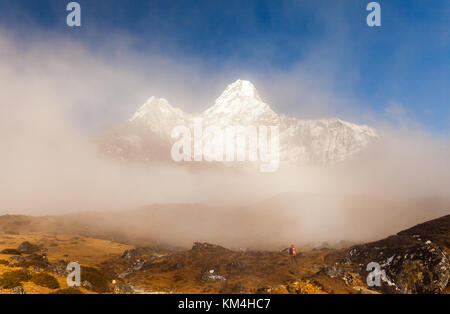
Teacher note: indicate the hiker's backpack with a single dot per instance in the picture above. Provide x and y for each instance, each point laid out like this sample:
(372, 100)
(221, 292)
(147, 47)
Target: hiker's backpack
(292, 252)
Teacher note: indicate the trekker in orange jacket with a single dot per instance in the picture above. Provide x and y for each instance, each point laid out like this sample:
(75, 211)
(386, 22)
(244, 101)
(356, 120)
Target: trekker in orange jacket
(293, 253)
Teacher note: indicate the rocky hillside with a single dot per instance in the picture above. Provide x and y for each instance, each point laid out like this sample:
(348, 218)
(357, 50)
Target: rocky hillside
(209, 268)
(415, 260)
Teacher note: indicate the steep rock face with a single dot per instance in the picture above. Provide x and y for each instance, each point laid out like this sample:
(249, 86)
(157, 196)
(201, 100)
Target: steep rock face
(411, 262)
(324, 141)
(421, 268)
(147, 135)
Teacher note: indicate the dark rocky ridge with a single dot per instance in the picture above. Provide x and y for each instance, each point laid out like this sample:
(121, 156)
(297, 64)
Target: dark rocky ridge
(415, 260)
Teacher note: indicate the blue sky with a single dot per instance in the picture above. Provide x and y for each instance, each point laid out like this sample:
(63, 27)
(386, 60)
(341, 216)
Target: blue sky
(405, 61)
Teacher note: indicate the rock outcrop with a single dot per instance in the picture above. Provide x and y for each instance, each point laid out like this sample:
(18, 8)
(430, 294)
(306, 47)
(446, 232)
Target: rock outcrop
(409, 262)
(28, 248)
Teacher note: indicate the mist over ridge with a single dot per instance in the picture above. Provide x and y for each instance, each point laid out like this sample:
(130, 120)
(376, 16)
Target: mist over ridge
(56, 99)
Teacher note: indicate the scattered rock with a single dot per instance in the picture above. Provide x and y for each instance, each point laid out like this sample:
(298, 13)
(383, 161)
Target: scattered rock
(213, 277)
(17, 259)
(59, 268)
(334, 271)
(139, 257)
(278, 289)
(18, 290)
(36, 269)
(86, 284)
(342, 269)
(136, 253)
(134, 267)
(236, 265)
(123, 288)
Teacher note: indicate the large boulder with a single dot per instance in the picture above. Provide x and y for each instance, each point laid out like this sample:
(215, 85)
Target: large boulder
(28, 248)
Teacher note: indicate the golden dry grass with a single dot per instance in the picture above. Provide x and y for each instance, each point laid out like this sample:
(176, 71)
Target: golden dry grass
(31, 288)
(84, 250)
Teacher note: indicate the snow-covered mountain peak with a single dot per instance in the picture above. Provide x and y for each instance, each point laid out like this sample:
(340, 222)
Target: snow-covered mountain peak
(158, 107)
(157, 115)
(240, 100)
(323, 141)
(240, 88)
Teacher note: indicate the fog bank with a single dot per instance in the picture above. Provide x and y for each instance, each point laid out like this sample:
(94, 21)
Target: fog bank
(57, 94)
